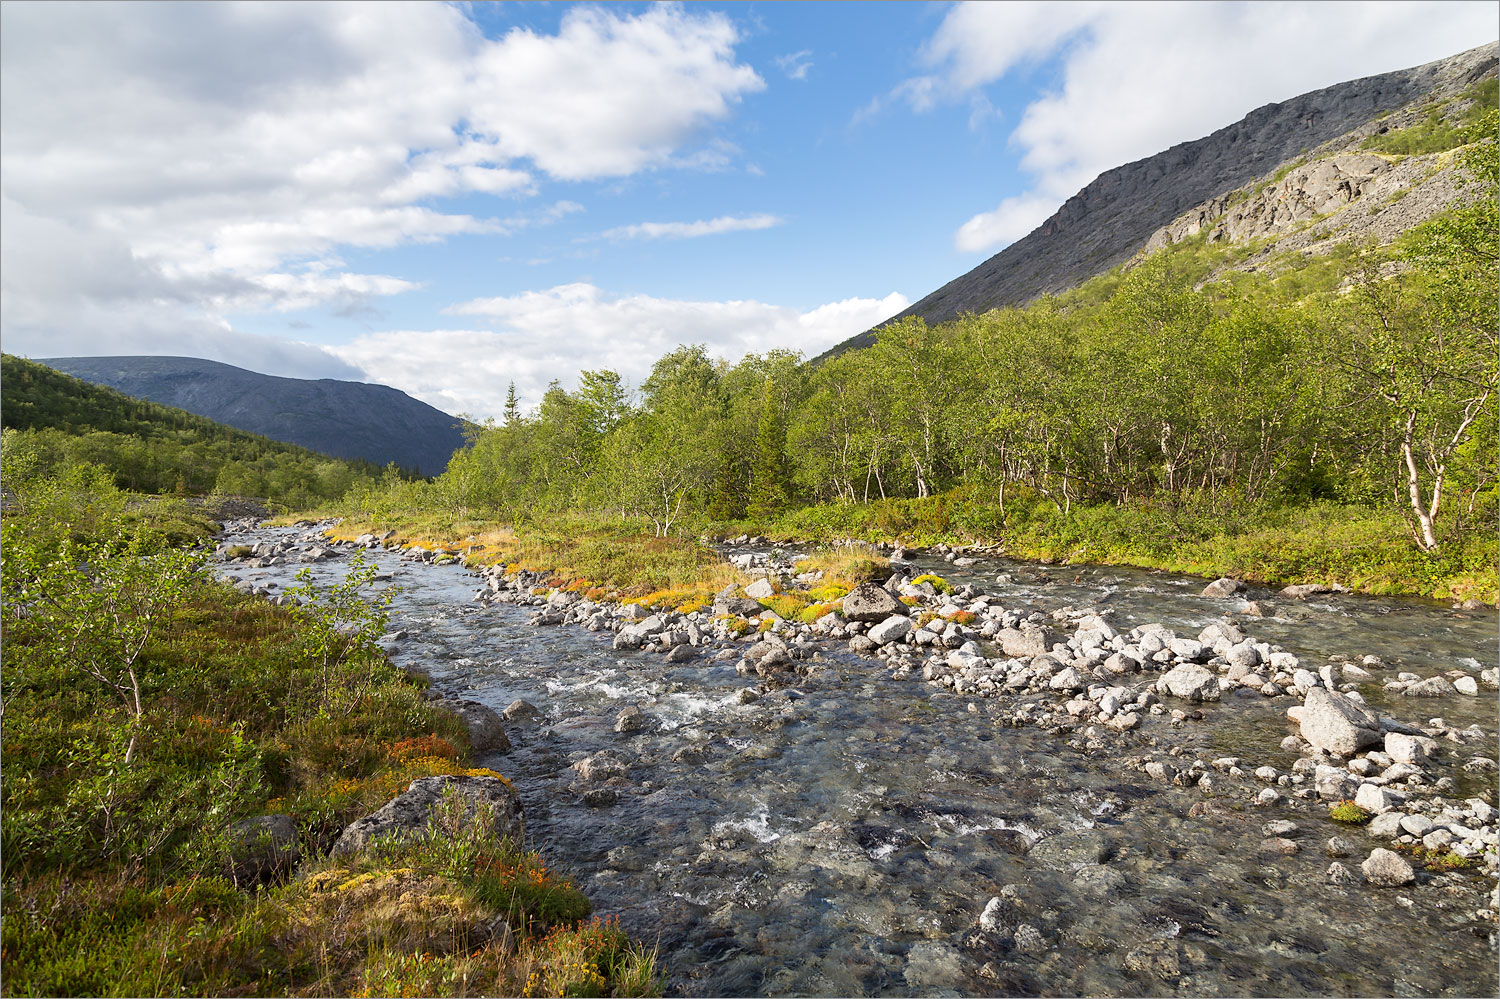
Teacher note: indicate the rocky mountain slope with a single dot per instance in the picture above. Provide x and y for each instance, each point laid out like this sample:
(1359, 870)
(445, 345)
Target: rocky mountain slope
(343, 419)
(1155, 200)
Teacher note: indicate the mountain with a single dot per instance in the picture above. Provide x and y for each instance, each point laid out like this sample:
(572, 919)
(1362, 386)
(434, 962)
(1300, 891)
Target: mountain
(1115, 216)
(344, 419)
(59, 421)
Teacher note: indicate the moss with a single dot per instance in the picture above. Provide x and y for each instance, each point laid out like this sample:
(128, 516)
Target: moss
(938, 582)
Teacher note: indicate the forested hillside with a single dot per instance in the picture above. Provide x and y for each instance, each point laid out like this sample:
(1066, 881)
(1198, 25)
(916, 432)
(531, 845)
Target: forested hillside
(53, 421)
(1143, 414)
(357, 421)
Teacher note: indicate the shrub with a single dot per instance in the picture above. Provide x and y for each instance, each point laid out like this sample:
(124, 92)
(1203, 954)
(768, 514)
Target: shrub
(938, 582)
(1348, 811)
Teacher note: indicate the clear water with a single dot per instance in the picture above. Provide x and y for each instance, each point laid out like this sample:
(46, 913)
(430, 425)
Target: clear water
(841, 837)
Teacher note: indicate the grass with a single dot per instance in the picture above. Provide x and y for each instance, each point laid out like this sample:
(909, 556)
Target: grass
(1365, 548)
(118, 874)
(616, 559)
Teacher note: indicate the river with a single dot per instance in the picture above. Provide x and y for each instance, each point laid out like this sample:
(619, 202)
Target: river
(843, 833)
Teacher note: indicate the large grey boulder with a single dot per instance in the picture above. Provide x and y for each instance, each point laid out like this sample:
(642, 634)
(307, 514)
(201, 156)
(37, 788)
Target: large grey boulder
(892, 629)
(408, 813)
(486, 733)
(1191, 682)
(1026, 642)
(871, 603)
(1337, 723)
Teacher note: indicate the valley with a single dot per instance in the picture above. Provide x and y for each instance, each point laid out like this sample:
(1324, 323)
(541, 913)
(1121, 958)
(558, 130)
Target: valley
(1119, 619)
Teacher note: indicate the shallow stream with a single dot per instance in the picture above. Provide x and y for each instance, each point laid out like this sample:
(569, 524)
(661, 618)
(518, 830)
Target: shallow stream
(841, 837)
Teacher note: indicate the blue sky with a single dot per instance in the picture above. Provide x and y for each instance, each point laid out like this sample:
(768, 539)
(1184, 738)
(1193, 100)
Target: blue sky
(447, 198)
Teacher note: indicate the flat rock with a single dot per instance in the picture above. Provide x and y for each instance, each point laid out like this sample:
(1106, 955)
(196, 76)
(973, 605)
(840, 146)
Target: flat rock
(1301, 591)
(408, 813)
(1433, 686)
(1025, 642)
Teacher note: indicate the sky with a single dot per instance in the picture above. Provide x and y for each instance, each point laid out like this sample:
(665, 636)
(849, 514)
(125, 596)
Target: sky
(448, 198)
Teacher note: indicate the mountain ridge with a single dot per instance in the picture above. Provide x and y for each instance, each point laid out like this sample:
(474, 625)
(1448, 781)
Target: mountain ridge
(1114, 216)
(344, 419)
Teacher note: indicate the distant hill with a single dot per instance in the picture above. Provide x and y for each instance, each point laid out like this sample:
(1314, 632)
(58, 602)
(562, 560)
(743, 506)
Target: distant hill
(375, 423)
(59, 420)
(1116, 215)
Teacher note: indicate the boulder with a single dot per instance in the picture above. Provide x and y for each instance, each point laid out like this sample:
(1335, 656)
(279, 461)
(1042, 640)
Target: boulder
(892, 629)
(1191, 682)
(737, 606)
(1337, 723)
(1386, 869)
(486, 734)
(1025, 642)
(1223, 587)
(407, 814)
(602, 766)
(761, 589)
(1433, 686)
(1334, 783)
(631, 719)
(1377, 800)
(522, 713)
(1406, 748)
(871, 603)
(262, 847)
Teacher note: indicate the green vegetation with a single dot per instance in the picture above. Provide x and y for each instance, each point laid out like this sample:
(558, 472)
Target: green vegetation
(54, 422)
(1328, 418)
(1348, 812)
(1447, 126)
(147, 710)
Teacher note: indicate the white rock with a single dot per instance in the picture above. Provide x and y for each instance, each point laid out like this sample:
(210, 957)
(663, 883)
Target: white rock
(1386, 869)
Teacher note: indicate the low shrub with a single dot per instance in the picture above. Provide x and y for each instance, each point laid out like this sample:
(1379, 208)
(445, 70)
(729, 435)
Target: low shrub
(1349, 812)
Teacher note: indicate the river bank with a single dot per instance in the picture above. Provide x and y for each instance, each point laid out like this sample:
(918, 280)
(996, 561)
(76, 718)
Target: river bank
(785, 779)
(194, 780)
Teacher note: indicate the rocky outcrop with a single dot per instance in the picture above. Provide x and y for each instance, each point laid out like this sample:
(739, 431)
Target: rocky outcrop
(408, 813)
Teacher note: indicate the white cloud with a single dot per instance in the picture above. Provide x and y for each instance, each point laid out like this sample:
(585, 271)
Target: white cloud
(1012, 219)
(1139, 78)
(541, 335)
(220, 155)
(687, 230)
(795, 64)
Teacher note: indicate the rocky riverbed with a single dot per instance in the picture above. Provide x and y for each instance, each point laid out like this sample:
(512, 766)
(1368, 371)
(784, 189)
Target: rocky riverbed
(1042, 780)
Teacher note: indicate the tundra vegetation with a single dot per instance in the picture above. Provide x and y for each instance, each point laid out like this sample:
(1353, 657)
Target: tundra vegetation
(149, 711)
